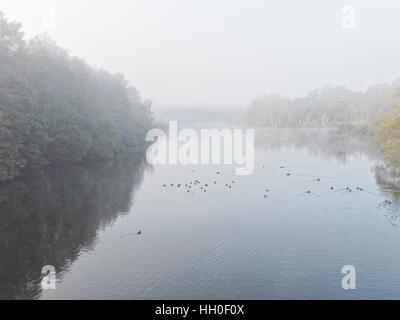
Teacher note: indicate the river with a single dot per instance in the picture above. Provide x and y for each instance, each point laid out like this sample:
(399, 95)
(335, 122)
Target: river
(324, 209)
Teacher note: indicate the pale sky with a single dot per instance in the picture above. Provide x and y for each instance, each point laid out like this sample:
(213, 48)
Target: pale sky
(223, 52)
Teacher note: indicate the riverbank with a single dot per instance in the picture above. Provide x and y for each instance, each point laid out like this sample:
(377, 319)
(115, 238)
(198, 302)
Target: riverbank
(57, 110)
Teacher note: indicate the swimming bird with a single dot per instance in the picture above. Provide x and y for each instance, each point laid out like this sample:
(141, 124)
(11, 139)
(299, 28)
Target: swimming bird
(139, 233)
(385, 203)
(309, 192)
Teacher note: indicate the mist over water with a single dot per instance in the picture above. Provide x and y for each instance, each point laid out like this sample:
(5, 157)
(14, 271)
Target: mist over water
(228, 243)
(307, 92)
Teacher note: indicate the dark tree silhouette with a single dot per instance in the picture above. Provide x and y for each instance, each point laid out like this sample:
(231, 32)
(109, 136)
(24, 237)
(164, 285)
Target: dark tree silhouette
(54, 108)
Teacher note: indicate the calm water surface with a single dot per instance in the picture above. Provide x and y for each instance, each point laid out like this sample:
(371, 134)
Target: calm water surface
(222, 244)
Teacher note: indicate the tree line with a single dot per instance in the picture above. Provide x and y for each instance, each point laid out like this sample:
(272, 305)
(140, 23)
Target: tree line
(56, 109)
(375, 112)
(330, 106)
(388, 135)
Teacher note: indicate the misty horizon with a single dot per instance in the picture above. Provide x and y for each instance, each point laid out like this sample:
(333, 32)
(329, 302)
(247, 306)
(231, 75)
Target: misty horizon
(199, 151)
(204, 54)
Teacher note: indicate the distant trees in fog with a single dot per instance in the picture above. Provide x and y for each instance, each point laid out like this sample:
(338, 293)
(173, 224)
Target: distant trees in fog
(388, 135)
(375, 111)
(54, 108)
(326, 107)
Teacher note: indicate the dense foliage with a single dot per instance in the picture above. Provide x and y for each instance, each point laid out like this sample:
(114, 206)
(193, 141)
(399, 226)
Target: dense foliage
(388, 136)
(55, 109)
(326, 107)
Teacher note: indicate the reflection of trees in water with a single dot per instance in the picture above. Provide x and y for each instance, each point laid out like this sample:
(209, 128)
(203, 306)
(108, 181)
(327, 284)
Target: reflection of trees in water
(48, 217)
(326, 143)
(387, 178)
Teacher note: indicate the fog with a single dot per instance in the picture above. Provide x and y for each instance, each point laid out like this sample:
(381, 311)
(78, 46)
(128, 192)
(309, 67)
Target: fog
(223, 53)
(182, 149)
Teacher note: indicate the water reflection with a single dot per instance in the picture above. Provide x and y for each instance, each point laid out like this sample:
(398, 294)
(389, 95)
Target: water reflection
(326, 143)
(51, 216)
(387, 177)
(226, 243)
(332, 144)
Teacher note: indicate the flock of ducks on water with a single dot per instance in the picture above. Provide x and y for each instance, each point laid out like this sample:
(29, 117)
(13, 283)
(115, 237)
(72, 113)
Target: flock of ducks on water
(189, 187)
(203, 187)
